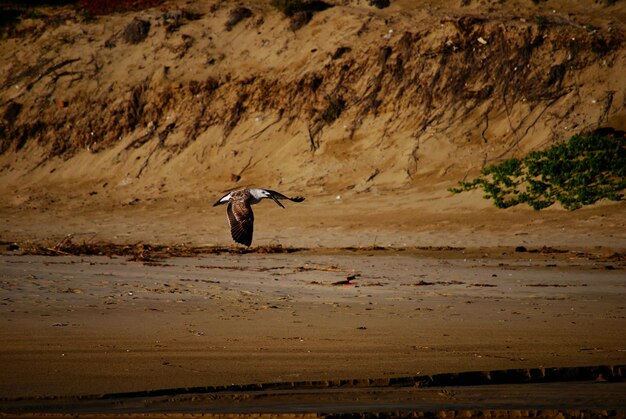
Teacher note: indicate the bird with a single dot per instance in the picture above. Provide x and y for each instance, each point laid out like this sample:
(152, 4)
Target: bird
(239, 210)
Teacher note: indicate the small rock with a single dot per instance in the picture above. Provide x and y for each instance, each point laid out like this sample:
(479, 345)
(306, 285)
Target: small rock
(136, 31)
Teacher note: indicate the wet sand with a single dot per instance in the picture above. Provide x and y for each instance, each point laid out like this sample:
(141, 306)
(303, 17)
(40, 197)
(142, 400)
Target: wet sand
(84, 325)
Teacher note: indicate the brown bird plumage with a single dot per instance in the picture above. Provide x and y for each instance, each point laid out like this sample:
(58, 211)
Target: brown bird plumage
(239, 210)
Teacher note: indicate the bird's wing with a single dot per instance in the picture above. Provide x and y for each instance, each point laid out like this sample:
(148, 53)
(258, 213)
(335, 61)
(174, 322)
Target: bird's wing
(241, 220)
(223, 199)
(278, 195)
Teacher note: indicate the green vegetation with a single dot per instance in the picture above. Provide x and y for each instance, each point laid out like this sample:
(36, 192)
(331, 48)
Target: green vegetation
(578, 172)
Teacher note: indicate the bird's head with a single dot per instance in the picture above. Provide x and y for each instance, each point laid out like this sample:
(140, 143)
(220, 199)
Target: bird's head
(263, 193)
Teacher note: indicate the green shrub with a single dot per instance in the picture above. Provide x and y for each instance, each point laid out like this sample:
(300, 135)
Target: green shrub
(578, 172)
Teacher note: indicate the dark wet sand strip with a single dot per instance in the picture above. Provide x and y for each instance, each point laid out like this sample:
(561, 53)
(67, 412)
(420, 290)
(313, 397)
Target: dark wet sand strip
(595, 390)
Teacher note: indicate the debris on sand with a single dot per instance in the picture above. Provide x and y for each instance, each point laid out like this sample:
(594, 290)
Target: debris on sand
(347, 281)
(139, 252)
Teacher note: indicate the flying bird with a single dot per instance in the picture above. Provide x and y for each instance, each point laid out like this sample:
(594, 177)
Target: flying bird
(239, 210)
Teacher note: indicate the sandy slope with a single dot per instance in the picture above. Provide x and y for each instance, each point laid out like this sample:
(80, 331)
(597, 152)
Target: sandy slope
(199, 109)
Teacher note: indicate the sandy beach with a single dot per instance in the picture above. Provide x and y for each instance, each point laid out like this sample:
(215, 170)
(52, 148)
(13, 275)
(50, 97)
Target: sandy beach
(332, 289)
(96, 325)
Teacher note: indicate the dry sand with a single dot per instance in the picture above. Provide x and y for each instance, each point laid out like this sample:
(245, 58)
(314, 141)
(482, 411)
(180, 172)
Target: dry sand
(95, 325)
